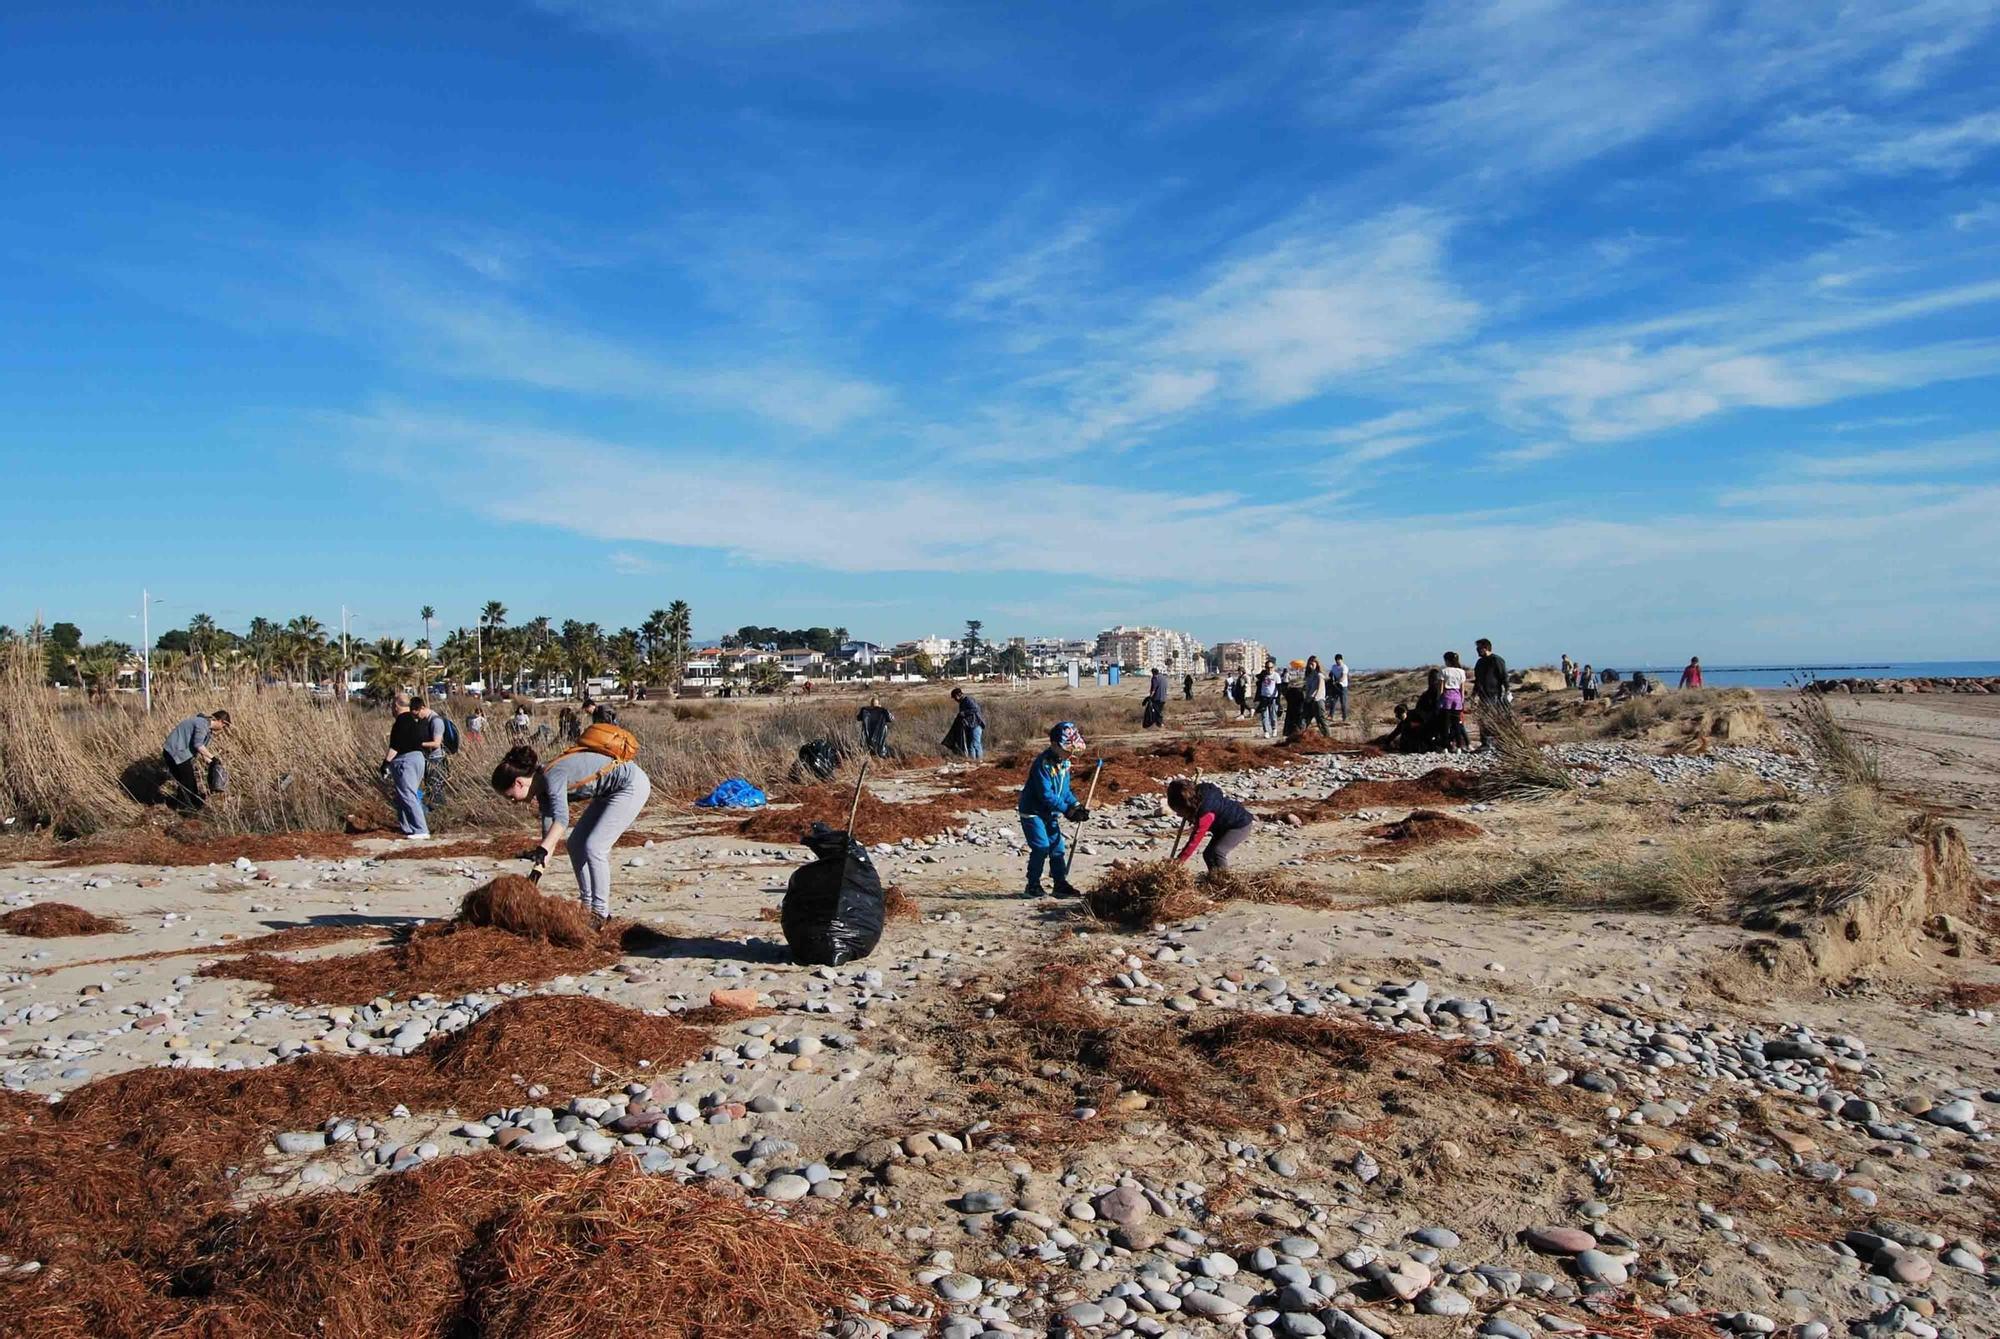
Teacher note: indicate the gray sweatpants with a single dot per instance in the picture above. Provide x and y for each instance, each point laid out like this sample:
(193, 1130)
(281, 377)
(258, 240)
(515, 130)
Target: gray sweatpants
(406, 773)
(591, 840)
(1216, 854)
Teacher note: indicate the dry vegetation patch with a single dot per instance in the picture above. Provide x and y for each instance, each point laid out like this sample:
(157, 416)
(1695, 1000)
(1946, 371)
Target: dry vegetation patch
(57, 920)
(1048, 1048)
(497, 937)
(876, 821)
(122, 1192)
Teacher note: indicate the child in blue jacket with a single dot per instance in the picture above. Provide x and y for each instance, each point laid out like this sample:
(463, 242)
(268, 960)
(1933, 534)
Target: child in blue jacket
(1045, 801)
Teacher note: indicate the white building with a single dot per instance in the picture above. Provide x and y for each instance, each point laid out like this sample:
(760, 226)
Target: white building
(1148, 648)
(1246, 657)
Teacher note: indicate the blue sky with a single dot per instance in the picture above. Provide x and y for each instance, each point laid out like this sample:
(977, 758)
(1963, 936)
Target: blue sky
(1627, 330)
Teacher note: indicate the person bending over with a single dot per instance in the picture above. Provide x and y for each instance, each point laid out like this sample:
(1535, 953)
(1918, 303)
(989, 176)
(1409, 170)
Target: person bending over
(187, 744)
(1046, 800)
(615, 790)
(1214, 815)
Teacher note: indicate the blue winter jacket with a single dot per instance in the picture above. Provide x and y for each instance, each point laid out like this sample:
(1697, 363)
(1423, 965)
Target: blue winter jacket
(1047, 795)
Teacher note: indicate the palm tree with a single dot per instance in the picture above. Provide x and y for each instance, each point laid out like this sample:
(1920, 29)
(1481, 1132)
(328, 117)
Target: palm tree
(547, 661)
(308, 639)
(679, 628)
(492, 618)
(427, 614)
(972, 627)
(97, 667)
(628, 661)
(654, 633)
(391, 664)
(202, 641)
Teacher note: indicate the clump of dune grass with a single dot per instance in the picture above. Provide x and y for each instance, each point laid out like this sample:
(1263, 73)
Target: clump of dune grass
(1838, 848)
(1520, 769)
(1687, 876)
(1850, 760)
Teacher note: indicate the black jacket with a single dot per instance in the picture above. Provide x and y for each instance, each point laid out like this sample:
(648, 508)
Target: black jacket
(1489, 678)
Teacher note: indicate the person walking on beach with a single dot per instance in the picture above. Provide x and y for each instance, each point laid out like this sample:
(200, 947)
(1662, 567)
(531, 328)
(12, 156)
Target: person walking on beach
(1586, 679)
(186, 744)
(1239, 692)
(1568, 671)
(403, 769)
(1156, 701)
(971, 723)
(874, 720)
(603, 770)
(1187, 687)
(1214, 815)
(1451, 680)
(1267, 700)
(1336, 686)
(1314, 688)
(1046, 799)
(1691, 676)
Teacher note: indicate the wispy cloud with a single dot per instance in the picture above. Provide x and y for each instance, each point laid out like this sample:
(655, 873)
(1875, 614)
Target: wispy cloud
(1810, 151)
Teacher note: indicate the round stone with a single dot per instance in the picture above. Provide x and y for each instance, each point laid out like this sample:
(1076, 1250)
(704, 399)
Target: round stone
(787, 1186)
(1554, 1240)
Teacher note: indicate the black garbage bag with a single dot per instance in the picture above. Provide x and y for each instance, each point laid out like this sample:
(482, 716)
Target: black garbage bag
(1295, 710)
(218, 777)
(957, 740)
(819, 758)
(833, 911)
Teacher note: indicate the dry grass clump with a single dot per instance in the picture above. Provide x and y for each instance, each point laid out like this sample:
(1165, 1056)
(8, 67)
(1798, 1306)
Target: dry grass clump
(1424, 827)
(518, 906)
(56, 920)
(1139, 895)
(1047, 1044)
(1439, 786)
(1682, 876)
(504, 1248)
(898, 905)
(1969, 995)
(1837, 848)
(501, 935)
(1849, 760)
(876, 821)
(131, 1216)
(1520, 770)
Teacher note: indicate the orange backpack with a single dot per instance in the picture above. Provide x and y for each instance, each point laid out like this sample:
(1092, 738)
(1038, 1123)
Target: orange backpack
(612, 741)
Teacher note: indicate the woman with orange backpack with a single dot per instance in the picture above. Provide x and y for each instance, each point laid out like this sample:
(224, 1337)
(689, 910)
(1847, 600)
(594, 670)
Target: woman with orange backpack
(600, 768)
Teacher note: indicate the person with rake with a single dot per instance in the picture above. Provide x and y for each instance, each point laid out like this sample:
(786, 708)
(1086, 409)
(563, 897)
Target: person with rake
(601, 768)
(1212, 812)
(1046, 800)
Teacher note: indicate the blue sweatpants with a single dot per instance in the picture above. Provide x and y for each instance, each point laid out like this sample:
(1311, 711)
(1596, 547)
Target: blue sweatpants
(1045, 847)
(406, 772)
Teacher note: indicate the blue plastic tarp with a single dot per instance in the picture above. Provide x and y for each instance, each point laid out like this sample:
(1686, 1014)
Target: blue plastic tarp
(735, 793)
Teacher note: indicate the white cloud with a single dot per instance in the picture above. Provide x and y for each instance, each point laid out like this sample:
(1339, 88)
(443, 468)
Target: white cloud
(1679, 576)
(1541, 85)
(1810, 151)
(626, 563)
(1960, 453)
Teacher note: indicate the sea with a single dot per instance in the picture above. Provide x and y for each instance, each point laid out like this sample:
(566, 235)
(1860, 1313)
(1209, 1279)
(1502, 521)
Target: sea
(1774, 675)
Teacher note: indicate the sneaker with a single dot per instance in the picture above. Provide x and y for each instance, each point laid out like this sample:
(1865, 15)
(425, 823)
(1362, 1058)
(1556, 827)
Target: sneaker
(416, 836)
(598, 922)
(1068, 890)
(1035, 890)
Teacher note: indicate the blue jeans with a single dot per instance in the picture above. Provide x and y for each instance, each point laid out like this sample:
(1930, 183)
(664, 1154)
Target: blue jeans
(1045, 847)
(1336, 696)
(976, 743)
(1267, 715)
(406, 773)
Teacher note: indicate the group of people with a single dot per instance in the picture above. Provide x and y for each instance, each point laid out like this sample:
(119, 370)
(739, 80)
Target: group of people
(1435, 722)
(1048, 800)
(1589, 682)
(1305, 692)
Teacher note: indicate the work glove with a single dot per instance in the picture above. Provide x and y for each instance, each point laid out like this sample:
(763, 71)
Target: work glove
(384, 773)
(1077, 813)
(539, 867)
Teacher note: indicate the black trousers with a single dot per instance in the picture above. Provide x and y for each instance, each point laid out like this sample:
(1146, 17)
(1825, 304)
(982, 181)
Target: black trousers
(188, 799)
